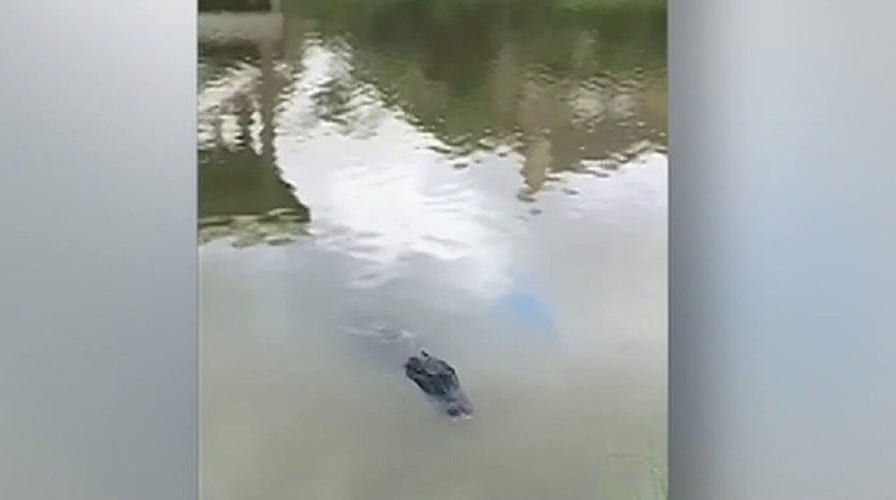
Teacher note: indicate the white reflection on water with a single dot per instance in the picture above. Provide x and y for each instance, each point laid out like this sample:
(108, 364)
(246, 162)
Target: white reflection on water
(388, 197)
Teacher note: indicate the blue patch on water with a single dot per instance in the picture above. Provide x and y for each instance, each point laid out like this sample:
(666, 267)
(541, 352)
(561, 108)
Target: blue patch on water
(528, 309)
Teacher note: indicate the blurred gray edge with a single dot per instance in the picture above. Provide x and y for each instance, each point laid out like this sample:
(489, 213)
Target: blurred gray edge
(98, 349)
(782, 272)
(782, 280)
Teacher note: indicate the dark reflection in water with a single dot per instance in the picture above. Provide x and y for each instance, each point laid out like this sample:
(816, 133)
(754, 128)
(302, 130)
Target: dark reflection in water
(568, 89)
(489, 174)
(242, 193)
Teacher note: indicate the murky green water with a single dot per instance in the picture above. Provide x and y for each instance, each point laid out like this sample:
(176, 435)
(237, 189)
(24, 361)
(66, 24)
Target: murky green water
(491, 176)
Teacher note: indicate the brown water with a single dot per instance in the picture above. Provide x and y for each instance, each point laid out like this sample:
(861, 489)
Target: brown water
(492, 178)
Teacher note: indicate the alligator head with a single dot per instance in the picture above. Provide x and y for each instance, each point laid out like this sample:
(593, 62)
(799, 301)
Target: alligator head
(439, 381)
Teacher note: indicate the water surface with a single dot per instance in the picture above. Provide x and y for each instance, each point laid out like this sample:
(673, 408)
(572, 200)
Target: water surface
(490, 176)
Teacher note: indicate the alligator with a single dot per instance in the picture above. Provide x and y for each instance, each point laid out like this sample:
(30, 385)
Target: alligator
(434, 376)
(440, 383)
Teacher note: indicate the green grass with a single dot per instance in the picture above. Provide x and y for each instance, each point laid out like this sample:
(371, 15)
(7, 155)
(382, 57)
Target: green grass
(616, 489)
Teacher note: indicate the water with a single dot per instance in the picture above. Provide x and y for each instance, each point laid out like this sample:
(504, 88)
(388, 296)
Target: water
(490, 176)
